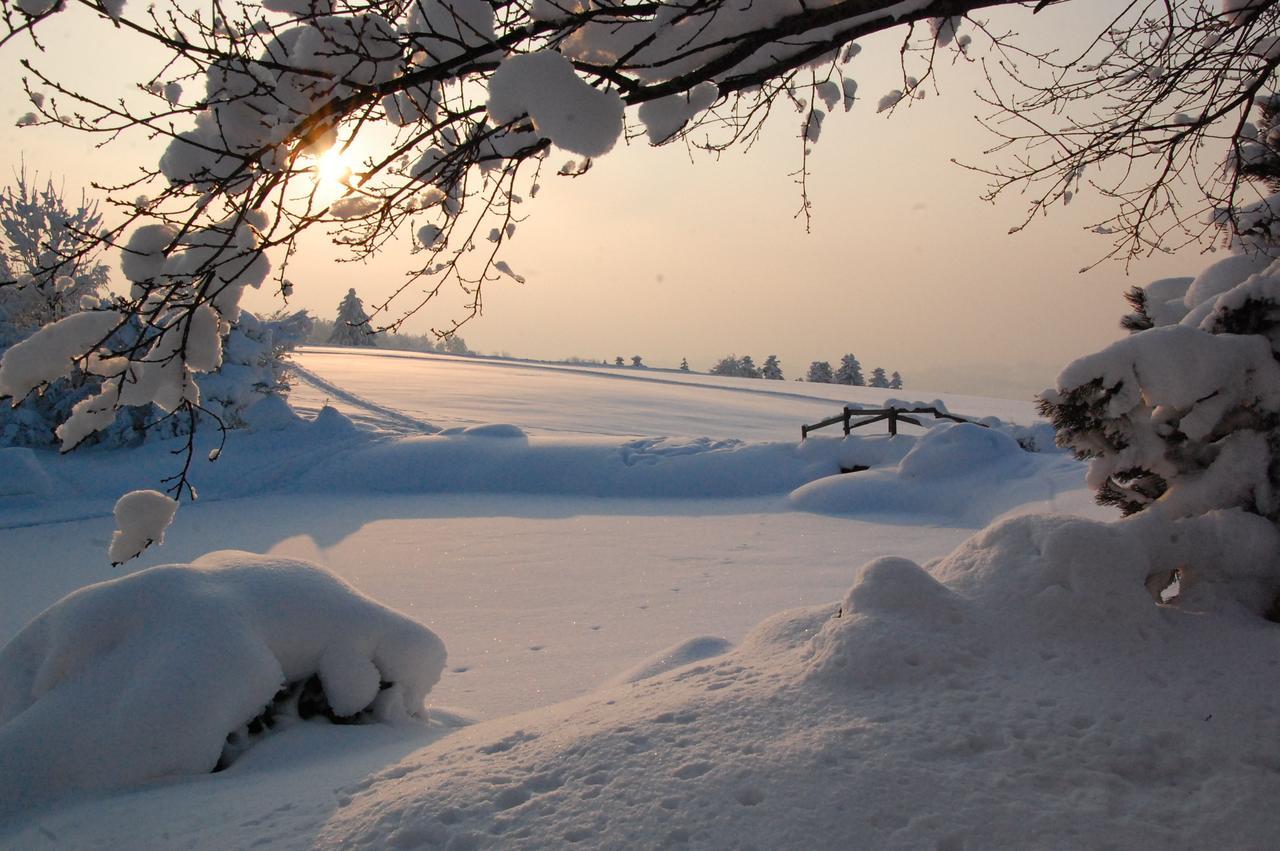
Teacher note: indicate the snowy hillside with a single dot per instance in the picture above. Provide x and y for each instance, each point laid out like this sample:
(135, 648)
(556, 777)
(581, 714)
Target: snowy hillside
(667, 623)
(555, 399)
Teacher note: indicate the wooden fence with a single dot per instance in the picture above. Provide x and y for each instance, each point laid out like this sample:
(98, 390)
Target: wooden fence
(874, 415)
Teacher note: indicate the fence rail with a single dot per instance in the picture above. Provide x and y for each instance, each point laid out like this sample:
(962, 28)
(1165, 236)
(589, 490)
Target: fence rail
(874, 415)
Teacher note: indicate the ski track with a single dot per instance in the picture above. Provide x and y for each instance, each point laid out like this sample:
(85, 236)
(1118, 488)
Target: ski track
(389, 414)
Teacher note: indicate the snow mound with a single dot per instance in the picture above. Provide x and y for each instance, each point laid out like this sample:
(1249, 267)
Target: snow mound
(1025, 691)
(145, 676)
(270, 413)
(498, 458)
(505, 430)
(677, 656)
(957, 450)
(958, 473)
(330, 421)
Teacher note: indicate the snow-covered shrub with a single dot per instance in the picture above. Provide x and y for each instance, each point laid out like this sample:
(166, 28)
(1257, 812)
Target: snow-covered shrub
(49, 271)
(49, 268)
(147, 675)
(1185, 412)
(253, 364)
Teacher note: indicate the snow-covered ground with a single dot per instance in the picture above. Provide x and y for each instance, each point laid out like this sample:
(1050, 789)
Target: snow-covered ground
(604, 553)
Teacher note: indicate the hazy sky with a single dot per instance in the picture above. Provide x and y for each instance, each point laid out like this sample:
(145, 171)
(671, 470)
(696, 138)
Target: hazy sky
(668, 254)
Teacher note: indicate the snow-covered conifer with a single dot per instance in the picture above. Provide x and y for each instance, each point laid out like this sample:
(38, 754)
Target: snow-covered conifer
(351, 328)
(455, 345)
(684, 364)
(1184, 413)
(772, 369)
(878, 378)
(849, 372)
(729, 365)
(637, 361)
(820, 372)
(747, 367)
(895, 381)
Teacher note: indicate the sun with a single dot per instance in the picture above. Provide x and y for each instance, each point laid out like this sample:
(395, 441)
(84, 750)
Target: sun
(333, 168)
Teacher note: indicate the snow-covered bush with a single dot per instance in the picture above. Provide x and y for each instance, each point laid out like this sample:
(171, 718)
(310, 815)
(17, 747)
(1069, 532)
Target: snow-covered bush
(49, 271)
(253, 364)
(148, 675)
(49, 256)
(1184, 414)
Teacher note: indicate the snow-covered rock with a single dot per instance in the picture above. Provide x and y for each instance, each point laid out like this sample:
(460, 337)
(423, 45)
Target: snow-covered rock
(145, 676)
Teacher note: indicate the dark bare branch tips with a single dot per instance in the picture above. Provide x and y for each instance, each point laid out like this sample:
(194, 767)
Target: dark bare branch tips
(1154, 115)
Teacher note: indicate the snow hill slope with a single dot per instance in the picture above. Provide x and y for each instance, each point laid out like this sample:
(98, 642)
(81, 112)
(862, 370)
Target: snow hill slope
(614, 626)
(545, 399)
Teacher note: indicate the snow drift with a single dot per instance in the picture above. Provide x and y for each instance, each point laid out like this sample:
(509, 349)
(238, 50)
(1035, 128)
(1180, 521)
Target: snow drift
(1024, 691)
(958, 473)
(145, 676)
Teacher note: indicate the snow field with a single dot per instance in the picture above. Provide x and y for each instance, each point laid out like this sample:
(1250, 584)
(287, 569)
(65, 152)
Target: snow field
(636, 687)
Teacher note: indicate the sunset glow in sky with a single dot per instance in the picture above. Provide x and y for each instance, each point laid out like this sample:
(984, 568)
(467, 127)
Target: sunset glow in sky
(667, 253)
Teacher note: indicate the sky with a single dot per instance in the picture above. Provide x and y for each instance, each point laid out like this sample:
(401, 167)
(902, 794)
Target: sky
(670, 253)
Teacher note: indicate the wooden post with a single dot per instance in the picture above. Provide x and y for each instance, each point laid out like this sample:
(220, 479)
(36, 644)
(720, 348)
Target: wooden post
(893, 421)
(847, 427)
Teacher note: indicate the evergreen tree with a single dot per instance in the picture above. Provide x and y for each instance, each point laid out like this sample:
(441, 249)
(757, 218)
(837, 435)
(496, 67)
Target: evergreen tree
(895, 382)
(684, 365)
(455, 345)
(635, 361)
(727, 366)
(850, 372)
(618, 361)
(1156, 432)
(772, 369)
(747, 367)
(352, 325)
(878, 378)
(820, 372)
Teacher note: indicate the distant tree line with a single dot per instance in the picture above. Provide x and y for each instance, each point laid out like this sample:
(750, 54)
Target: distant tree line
(351, 328)
(745, 367)
(850, 372)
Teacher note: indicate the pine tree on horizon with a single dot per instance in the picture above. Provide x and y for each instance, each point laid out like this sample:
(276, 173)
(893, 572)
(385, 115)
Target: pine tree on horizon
(895, 382)
(820, 372)
(684, 364)
(351, 328)
(772, 369)
(850, 372)
(729, 365)
(878, 378)
(747, 367)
